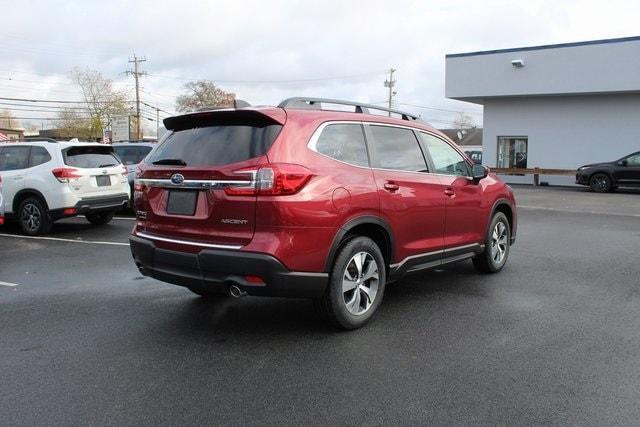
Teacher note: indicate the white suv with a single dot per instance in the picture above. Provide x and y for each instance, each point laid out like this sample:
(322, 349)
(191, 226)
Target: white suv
(43, 181)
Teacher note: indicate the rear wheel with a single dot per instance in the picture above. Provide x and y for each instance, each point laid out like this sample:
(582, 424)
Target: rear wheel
(33, 217)
(496, 246)
(356, 285)
(600, 183)
(100, 218)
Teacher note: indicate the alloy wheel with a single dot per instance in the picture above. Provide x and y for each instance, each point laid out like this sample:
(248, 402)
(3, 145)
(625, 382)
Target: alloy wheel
(360, 283)
(31, 217)
(499, 243)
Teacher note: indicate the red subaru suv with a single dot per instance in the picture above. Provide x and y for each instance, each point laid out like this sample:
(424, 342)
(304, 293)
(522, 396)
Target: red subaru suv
(306, 200)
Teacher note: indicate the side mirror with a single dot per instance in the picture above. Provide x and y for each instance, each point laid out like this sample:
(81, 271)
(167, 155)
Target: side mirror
(623, 162)
(478, 172)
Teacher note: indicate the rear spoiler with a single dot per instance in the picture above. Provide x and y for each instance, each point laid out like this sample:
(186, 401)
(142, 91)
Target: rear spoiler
(227, 116)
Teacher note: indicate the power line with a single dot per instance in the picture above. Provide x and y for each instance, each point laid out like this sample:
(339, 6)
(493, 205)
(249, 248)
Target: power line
(318, 79)
(438, 109)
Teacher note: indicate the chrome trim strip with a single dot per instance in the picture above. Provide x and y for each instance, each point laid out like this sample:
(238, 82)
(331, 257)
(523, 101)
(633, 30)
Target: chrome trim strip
(442, 251)
(197, 184)
(184, 242)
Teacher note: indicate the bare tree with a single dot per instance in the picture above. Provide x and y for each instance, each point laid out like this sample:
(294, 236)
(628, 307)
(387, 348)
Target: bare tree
(101, 103)
(8, 120)
(203, 94)
(463, 121)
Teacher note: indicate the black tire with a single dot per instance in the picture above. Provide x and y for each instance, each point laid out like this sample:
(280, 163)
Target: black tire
(600, 183)
(33, 217)
(208, 294)
(100, 218)
(366, 295)
(487, 261)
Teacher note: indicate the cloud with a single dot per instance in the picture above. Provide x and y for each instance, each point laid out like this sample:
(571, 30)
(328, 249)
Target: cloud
(264, 51)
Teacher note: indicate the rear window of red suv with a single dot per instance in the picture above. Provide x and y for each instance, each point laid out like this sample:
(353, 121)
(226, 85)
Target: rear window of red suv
(217, 145)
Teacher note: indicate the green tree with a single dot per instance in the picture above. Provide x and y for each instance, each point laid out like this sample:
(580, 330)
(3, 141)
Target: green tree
(203, 94)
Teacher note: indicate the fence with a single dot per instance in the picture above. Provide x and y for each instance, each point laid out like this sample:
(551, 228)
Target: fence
(536, 172)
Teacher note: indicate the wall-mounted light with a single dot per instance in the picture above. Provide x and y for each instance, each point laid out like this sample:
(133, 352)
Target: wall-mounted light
(517, 63)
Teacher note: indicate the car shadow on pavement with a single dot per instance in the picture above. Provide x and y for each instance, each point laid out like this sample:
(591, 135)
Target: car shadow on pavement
(225, 319)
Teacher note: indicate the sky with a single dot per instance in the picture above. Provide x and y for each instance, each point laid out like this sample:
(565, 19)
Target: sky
(265, 51)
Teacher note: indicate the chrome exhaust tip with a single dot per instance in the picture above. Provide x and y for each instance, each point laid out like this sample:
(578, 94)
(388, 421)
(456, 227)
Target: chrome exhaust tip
(236, 292)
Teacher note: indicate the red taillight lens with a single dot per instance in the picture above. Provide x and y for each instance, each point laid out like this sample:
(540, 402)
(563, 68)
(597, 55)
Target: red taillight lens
(1, 220)
(69, 211)
(124, 172)
(65, 174)
(254, 280)
(278, 179)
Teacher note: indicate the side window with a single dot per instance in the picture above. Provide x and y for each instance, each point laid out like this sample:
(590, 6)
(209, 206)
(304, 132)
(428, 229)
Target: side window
(633, 160)
(14, 158)
(344, 142)
(397, 149)
(446, 159)
(38, 156)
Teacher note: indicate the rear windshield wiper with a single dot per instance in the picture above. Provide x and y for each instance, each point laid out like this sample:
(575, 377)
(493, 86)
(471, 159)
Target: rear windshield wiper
(107, 165)
(178, 162)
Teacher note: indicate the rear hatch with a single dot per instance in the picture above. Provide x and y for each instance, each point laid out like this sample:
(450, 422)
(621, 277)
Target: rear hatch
(199, 182)
(96, 170)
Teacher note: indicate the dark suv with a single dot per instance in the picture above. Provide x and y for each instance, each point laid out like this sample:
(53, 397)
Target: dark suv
(303, 201)
(607, 176)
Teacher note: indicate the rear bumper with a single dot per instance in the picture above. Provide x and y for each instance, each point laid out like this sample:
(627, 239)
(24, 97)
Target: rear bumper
(99, 204)
(216, 270)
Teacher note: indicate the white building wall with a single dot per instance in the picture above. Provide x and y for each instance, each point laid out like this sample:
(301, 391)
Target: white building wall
(564, 132)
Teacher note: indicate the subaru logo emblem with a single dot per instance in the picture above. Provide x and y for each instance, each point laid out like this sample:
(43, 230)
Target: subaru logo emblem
(177, 178)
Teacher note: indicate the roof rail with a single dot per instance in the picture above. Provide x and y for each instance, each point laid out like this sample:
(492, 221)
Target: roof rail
(37, 139)
(316, 104)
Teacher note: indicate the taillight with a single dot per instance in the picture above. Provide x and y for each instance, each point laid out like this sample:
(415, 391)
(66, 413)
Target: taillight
(277, 179)
(124, 170)
(65, 174)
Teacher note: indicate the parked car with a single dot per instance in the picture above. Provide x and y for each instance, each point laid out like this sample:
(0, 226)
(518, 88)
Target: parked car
(607, 176)
(302, 201)
(475, 156)
(43, 181)
(131, 154)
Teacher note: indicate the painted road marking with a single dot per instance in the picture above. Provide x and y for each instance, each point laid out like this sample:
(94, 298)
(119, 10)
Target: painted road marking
(59, 239)
(11, 285)
(541, 208)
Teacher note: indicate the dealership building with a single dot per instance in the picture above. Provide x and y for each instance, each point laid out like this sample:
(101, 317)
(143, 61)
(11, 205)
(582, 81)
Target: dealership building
(555, 106)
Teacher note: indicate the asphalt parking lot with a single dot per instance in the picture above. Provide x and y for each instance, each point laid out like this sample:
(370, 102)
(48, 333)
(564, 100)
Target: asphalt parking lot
(554, 338)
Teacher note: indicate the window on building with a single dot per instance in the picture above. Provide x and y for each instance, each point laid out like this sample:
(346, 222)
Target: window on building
(397, 149)
(344, 142)
(512, 152)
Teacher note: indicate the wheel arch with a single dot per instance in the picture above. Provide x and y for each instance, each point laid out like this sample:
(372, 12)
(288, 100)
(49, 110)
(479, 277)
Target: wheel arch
(25, 193)
(504, 206)
(369, 226)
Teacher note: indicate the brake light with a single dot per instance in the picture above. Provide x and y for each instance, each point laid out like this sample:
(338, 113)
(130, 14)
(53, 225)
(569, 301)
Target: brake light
(124, 170)
(65, 174)
(277, 179)
(1, 220)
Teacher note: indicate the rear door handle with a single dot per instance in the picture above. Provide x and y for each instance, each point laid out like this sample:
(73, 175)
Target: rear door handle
(449, 192)
(391, 186)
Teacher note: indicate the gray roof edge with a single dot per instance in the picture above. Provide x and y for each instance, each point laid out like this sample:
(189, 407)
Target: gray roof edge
(542, 47)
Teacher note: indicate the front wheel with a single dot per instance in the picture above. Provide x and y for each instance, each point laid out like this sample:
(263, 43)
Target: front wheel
(496, 246)
(100, 218)
(356, 285)
(600, 183)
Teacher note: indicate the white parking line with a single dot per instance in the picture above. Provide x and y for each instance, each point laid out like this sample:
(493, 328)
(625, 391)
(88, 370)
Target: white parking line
(65, 240)
(11, 285)
(542, 208)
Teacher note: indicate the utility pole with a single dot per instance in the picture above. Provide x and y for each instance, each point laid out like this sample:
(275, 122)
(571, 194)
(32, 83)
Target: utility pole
(136, 73)
(390, 83)
(157, 121)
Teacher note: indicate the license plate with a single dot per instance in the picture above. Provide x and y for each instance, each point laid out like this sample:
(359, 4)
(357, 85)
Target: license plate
(182, 202)
(103, 180)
